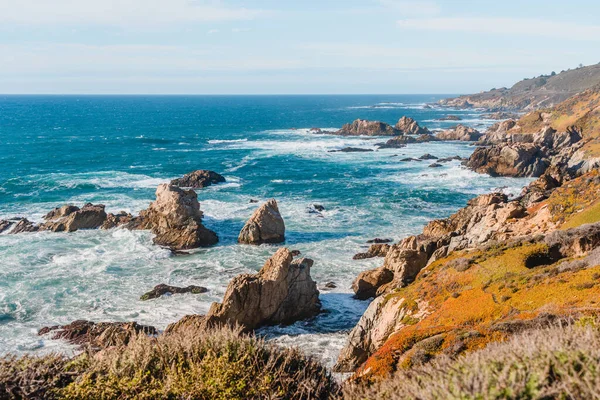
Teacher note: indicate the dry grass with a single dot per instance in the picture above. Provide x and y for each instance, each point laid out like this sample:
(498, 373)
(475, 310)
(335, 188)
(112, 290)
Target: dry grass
(216, 364)
(554, 363)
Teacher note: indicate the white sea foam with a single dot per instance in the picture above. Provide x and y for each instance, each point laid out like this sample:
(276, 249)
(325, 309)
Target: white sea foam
(227, 141)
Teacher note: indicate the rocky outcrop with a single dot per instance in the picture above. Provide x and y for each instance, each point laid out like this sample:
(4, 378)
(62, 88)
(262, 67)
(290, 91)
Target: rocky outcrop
(116, 220)
(517, 160)
(499, 115)
(460, 132)
(408, 126)
(162, 289)
(363, 127)
(264, 226)
(375, 250)
(368, 282)
(176, 220)
(198, 179)
(282, 292)
(399, 142)
(5, 225)
(24, 225)
(97, 335)
(69, 218)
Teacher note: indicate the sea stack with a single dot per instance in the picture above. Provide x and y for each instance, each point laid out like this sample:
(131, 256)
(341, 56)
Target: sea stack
(264, 226)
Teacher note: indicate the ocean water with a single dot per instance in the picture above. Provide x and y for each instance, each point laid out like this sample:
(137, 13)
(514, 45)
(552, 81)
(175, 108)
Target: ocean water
(116, 150)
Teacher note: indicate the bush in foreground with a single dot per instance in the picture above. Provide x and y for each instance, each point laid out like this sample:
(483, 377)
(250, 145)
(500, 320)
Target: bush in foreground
(554, 363)
(217, 364)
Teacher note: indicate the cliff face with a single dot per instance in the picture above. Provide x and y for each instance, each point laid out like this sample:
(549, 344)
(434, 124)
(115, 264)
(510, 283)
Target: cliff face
(498, 266)
(531, 94)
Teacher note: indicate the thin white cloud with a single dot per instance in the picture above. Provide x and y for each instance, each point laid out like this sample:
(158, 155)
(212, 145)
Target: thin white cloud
(213, 31)
(120, 12)
(505, 26)
(412, 7)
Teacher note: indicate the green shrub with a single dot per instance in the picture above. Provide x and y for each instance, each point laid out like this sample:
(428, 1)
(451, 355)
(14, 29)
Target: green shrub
(554, 363)
(191, 364)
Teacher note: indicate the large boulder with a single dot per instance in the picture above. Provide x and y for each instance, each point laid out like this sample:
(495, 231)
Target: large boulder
(282, 292)
(511, 159)
(408, 126)
(375, 250)
(363, 127)
(176, 220)
(368, 282)
(264, 226)
(198, 179)
(460, 132)
(69, 218)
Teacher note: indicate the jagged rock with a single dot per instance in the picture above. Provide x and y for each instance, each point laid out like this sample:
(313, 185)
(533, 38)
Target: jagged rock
(382, 318)
(98, 335)
(69, 218)
(282, 292)
(116, 220)
(330, 285)
(368, 282)
(435, 165)
(363, 127)
(405, 263)
(162, 289)
(375, 250)
(351, 150)
(176, 220)
(198, 179)
(24, 225)
(428, 157)
(517, 160)
(460, 132)
(5, 225)
(264, 226)
(408, 126)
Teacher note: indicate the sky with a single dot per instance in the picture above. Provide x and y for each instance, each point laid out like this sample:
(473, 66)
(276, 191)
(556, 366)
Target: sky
(289, 47)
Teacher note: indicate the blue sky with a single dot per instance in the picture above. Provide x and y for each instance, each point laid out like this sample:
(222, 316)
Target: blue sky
(295, 47)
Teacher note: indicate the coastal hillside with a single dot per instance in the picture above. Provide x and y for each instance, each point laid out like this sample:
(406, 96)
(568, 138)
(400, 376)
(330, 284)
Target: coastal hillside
(499, 266)
(533, 93)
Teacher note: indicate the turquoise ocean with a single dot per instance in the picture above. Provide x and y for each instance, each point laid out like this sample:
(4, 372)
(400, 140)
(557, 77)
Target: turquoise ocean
(115, 150)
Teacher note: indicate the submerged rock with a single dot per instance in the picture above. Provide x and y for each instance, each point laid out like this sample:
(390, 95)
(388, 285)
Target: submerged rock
(69, 218)
(176, 220)
(264, 226)
(162, 289)
(450, 118)
(98, 335)
(379, 240)
(351, 150)
(198, 179)
(363, 127)
(428, 157)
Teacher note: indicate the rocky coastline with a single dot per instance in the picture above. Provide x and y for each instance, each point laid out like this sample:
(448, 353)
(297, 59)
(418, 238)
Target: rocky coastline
(479, 276)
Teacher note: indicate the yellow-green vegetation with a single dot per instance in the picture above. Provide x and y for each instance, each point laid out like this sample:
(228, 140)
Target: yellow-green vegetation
(504, 285)
(216, 364)
(576, 202)
(552, 363)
